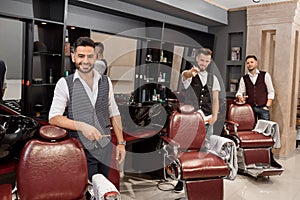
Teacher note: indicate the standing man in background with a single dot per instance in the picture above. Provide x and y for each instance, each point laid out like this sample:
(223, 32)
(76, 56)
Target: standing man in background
(3, 84)
(256, 88)
(101, 63)
(202, 91)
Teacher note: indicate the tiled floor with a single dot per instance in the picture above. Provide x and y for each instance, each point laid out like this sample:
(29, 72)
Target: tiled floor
(283, 187)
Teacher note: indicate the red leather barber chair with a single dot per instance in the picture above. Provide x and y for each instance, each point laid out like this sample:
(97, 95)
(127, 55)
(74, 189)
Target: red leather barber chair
(253, 149)
(201, 172)
(52, 167)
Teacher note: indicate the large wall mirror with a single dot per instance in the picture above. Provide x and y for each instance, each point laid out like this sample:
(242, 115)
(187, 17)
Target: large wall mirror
(120, 53)
(11, 43)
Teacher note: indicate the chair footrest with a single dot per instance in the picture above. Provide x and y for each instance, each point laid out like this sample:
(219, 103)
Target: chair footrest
(259, 172)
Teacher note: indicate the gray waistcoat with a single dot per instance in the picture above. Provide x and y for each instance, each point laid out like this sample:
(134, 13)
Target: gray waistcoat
(80, 108)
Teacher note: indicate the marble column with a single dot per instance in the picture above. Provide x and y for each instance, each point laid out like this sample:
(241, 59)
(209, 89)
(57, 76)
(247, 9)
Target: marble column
(273, 36)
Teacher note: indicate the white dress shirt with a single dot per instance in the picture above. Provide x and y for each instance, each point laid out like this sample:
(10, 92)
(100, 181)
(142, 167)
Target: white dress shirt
(61, 95)
(100, 66)
(253, 78)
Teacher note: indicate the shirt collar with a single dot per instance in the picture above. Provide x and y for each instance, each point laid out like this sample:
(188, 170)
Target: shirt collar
(256, 73)
(97, 76)
(203, 73)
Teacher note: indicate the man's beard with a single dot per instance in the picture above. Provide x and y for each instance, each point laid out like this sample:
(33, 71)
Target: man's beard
(201, 68)
(251, 70)
(84, 71)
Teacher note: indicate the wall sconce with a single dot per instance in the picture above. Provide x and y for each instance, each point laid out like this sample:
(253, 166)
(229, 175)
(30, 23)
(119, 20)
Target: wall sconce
(256, 1)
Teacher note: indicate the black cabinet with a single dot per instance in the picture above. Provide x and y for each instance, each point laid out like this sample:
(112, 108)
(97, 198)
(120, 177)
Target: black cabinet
(44, 63)
(230, 50)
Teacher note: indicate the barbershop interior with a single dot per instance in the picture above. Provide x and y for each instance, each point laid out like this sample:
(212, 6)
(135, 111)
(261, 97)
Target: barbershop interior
(149, 48)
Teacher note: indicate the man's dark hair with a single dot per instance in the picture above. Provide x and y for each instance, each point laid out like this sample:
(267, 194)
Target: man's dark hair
(83, 41)
(251, 56)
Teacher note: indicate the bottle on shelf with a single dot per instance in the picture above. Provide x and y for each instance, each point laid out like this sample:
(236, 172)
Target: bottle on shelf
(143, 95)
(154, 96)
(66, 73)
(67, 47)
(50, 76)
(149, 56)
(161, 56)
(159, 77)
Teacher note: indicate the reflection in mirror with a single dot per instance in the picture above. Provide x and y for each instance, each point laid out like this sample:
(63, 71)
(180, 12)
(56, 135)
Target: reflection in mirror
(120, 54)
(11, 44)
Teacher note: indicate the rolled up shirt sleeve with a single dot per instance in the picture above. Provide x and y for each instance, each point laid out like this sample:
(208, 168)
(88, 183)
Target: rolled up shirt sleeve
(60, 99)
(113, 107)
(270, 88)
(242, 88)
(186, 83)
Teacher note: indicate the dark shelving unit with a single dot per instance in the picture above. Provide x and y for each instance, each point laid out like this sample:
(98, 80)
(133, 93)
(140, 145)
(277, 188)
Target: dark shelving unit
(44, 60)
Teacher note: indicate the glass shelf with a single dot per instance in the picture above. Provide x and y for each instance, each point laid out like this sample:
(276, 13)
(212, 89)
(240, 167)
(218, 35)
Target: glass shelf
(46, 54)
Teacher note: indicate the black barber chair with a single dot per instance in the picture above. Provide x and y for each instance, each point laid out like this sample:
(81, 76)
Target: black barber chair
(15, 131)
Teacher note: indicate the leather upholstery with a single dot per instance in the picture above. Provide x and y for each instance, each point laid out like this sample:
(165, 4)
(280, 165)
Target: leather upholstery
(202, 165)
(187, 128)
(251, 139)
(243, 115)
(5, 192)
(208, 189)
(255, 149)
(251, 156)
(201, 171)
(53, 168)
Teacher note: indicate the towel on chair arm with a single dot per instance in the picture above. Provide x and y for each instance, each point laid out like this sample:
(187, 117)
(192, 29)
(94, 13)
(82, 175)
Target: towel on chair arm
(102, 188)
(225, 149)
(269, 128)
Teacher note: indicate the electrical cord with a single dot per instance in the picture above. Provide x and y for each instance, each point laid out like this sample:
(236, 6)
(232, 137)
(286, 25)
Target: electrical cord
(166, 183)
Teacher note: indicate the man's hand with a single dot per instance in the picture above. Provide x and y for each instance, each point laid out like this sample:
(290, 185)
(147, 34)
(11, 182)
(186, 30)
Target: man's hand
(90, 132)
(211, 120)
(190, 73)
(194, 71)
(120, 153)
(242, 99)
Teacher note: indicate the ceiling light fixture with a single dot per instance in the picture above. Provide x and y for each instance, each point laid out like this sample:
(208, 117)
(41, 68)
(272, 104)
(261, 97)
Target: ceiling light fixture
(256, 1)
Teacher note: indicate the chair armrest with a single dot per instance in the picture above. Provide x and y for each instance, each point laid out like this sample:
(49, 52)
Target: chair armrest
(5, 191)
(230, 125)
(170, 144)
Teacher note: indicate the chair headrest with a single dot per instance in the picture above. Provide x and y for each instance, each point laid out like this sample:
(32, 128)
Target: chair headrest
(50, 132)
(186, 109)
(237, 102)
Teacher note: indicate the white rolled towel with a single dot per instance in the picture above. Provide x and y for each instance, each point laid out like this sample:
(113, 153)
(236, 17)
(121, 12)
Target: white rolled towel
(103, 188)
